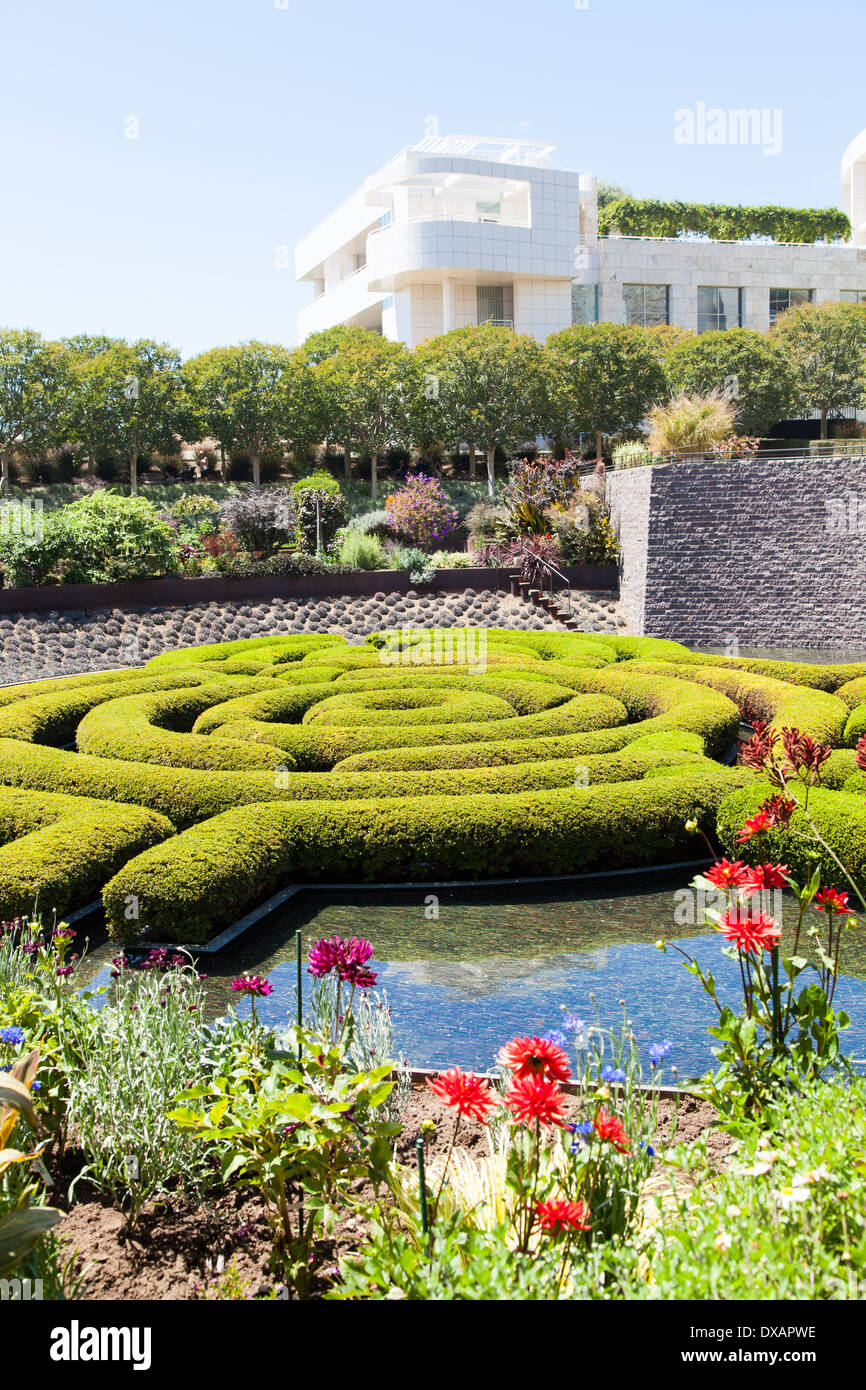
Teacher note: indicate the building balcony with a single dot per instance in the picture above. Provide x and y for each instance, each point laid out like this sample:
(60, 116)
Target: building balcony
(420, 248)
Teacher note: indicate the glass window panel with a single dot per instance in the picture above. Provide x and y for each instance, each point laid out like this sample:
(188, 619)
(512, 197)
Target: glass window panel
(584, 303)
(656, 305)
(632, 303)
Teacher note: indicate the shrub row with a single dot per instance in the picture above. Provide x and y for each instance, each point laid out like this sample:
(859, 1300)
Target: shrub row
(217, 870)
(814, 712)
(839, 816)
(59, 851)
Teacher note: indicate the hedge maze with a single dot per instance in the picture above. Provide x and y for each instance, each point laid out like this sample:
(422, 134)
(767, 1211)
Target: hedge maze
(201, 783)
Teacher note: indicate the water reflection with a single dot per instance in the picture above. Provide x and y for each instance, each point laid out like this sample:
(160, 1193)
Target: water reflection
(490, 966)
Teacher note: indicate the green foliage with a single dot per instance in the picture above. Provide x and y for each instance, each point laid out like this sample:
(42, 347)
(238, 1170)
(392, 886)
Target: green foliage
(301, 1127)
(211, 874)
(608, 376)
(826, 346)
(100, 539)
(33, 376)
(127, 399)
(61, 849)
(139, 1050)
(654, 218)
(361, 550)
(321, 509)
(782, 1219)
(254, 397)
(750, 368)
(493, 387)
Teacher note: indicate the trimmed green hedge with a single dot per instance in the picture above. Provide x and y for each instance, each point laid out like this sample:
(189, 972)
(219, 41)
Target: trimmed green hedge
(553, 752)
(60, 850)
(213, 872)
(54, 716)
(814, 712)
(839, 816)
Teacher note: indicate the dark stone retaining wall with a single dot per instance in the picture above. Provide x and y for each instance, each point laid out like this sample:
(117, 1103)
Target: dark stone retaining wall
(766, 553)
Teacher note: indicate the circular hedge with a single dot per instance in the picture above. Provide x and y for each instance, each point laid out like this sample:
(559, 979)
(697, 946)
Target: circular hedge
(205, 781)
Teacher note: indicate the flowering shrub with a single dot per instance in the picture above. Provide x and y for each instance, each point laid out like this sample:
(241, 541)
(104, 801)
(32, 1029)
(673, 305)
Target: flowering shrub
(420, 512)
(777, 1038)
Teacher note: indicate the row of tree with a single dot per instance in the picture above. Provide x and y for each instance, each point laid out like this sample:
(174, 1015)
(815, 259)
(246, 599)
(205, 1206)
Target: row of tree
(482, 387)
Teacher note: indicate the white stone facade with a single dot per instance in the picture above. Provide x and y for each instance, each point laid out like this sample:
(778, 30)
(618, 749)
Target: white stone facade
(458, 230)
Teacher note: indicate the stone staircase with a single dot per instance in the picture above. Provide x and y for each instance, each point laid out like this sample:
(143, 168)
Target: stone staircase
(557, 605)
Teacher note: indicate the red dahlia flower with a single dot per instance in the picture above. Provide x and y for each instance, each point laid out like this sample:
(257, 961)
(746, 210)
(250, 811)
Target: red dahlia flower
(535, 1057)
(610, 1129)
(725, 874)
(828, 900)
(751, 933)
(556, 1216)
(756, 826)
(762, 876)
(536, 1099)
(469, 1094)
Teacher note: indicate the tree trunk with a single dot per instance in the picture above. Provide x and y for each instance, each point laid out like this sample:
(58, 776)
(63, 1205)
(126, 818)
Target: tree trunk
(823, 422)
(374, 482)
(472, 472)
(347, 461)
(4, 473)
(133, 475)
(255, 460)
(222, 462)
(491, 471)
(598, 444)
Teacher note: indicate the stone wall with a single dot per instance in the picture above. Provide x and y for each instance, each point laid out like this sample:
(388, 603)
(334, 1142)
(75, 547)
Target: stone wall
(766, 553)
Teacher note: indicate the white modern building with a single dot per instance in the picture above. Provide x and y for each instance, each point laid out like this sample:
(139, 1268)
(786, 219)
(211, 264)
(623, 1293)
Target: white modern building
(461, 230)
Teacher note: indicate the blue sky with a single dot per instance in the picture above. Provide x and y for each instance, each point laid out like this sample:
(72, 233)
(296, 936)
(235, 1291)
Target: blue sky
(254, 120)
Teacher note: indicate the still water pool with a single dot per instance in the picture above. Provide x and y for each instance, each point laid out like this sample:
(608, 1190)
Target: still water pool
(493, 964)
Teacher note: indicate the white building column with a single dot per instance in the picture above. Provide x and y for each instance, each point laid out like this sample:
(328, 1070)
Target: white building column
(447, 304)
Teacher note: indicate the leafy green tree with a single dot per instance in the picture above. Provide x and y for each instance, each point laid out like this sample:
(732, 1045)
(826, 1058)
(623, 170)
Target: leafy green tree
(255, 397)
(368, 388)
(749, 368)
(826, 347)
(127, 399)
(494, 387)
(609, 375)
(33, 376)
(610, 193)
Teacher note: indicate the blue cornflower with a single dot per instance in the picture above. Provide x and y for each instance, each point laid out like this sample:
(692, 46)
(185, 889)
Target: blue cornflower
(585, 1127)
(572, 1024)
(612, 1074)
(659, 1050)
(649, 1148)
(14, 1036)
(556, 1036)
(36, 1086)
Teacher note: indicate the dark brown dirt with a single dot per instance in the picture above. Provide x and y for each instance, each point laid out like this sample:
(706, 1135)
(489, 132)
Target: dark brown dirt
(180, 1246)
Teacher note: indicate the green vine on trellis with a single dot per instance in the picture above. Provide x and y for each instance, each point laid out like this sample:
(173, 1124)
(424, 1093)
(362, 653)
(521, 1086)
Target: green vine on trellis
(654, 218)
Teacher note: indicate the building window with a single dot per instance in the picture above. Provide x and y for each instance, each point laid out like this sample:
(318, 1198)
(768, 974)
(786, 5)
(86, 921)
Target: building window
(780, 300)
(388, 302)
(852, 296)
(386, 219)
(490, 303)
(488, 210)
(719, 308)
(646, 305)
(584, 303)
